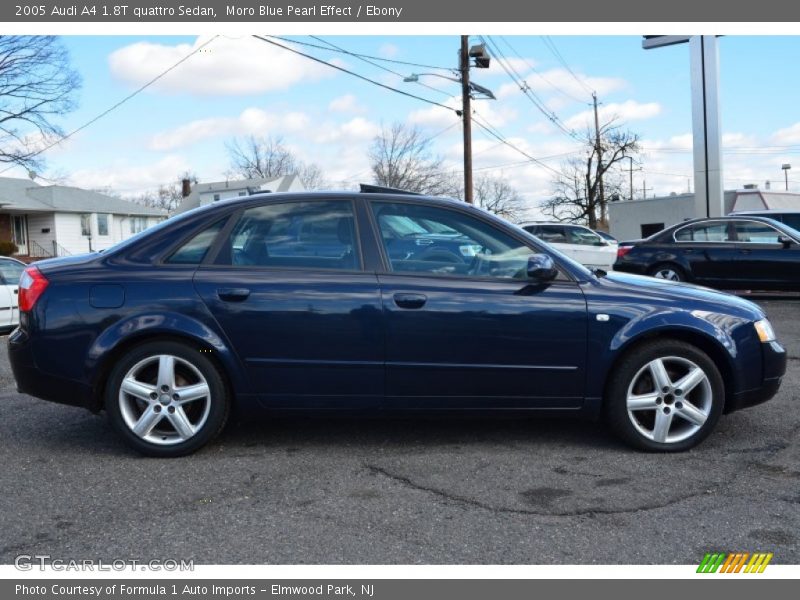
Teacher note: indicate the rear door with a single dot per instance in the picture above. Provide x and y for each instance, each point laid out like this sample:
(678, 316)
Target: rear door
(288, 288)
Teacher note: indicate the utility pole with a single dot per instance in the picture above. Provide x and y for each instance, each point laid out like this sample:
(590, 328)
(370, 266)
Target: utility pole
(466, 116)
(599, 150)
(630, 172)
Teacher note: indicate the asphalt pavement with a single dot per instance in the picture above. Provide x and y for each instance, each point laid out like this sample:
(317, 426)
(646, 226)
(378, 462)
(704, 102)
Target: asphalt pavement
(404, 491)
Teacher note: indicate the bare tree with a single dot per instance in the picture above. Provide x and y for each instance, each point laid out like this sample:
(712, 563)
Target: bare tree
(577, 193)
(402, 158)
(497, 196)
(265, 157)
(168, 196)
(37, 85)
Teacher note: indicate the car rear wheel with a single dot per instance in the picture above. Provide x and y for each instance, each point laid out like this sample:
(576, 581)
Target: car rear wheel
(668, 272)
(166, 399)
(665, 397)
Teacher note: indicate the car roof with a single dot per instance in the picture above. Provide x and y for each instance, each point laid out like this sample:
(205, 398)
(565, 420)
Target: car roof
(767, 211)
(558, 223)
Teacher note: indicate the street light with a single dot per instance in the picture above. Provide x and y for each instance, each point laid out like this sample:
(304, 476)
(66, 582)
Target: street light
(786, 167)
(482, 59)
(477, 89)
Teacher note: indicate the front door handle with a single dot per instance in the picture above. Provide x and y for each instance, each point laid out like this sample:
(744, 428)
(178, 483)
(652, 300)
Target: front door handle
(233, 294)
(410, 300)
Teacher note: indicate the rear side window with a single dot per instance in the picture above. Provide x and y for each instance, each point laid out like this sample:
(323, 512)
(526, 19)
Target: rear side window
(704, 232)
(194, 251)
(305, 235)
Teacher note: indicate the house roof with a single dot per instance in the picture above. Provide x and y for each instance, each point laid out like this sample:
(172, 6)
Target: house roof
(274, 184)
(27, 196)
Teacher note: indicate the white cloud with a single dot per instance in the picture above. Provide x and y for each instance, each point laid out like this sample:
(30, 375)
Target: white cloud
(388, 50)
(496, 114)
(561, 83)
(252, 121)
(130, 179)
(346, 104)
(788, 135)
(630, 110)
(224, 67)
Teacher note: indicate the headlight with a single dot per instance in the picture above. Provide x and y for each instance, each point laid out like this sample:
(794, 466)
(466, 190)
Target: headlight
(765, 331)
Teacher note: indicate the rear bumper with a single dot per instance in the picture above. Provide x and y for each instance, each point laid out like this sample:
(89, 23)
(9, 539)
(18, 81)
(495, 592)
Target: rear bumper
(34, 382)
(774, 368)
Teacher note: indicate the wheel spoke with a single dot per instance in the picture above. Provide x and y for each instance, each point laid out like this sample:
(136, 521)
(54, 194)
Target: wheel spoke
(690, 381)
(660, 375)
(147, 421)
(181, 423)
(662, 424)
(691, 413)
(166, 371)
(137, 389)
(190, 393)
(642, 402)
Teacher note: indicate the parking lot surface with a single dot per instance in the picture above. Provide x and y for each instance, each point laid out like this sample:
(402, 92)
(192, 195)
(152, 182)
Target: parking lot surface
(410, 490)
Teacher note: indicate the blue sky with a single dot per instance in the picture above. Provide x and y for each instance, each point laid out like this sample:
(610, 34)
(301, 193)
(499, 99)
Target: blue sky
(238, 86)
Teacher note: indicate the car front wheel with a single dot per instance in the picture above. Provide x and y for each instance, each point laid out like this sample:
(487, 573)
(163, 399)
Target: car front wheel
(166, 399)
(665, 397)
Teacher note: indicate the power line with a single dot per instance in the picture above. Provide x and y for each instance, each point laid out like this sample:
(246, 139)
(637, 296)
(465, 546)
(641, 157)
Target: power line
(488, 128)
(354, 74)
(118, 104)
(535, 71)
(360, 55)
(374, 64)
(526, 89)
(548, 41)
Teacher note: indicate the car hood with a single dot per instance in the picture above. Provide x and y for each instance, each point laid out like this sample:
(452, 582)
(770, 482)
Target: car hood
(639, 285)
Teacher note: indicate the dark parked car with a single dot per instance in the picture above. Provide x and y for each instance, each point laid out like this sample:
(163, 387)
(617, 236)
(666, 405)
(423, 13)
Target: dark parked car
(733, 252)
(790, 218)
(170, 330)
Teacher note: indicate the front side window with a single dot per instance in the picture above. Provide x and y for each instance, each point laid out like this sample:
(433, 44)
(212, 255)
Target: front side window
(752, 232)
(552, 234)
(704, 232)
(583, 237)
(447, 242)
(10, 272)
(305, 235)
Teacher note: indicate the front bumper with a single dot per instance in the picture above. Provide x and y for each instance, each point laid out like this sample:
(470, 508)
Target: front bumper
(773, 367)
(34, 382)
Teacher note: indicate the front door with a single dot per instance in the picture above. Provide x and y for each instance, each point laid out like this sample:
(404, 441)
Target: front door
(476, 332)
(763, 262)
(19, 233)
(304, 319)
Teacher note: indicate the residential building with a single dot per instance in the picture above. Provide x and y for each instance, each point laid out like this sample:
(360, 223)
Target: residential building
(634, 219)
(58, 220)
(202, 194)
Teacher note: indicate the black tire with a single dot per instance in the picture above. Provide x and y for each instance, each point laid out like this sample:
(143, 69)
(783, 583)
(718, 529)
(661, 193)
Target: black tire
(680, 274)
(206, 416)
(633, 370)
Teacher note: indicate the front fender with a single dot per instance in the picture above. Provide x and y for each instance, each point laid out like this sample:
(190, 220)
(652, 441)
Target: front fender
(122, 333)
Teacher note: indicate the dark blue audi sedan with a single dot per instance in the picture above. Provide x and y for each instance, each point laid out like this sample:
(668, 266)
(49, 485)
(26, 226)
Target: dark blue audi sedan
(214, 310)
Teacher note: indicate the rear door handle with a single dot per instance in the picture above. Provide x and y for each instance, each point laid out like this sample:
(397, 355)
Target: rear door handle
(233, 294)
(404, 300)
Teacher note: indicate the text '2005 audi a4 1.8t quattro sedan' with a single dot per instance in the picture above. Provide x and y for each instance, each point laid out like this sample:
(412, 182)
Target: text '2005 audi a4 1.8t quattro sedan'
(377, 301)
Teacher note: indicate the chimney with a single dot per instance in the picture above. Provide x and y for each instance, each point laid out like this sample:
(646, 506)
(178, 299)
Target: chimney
(186, 187)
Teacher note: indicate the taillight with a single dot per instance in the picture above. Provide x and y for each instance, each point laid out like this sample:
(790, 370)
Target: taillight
(31, 285)
(622, 251)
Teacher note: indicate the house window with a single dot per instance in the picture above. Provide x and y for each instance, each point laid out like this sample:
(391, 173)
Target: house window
(86, 224)
(138, 224)
(102, 224)
(216, 197)
(243, 193)
(20, 237)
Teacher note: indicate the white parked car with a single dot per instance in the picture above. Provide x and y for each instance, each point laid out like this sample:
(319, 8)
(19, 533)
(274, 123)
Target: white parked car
(10, 271)
(578, 242)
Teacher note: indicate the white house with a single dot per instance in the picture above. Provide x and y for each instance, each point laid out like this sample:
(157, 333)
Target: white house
(57, 220)
(202, 194)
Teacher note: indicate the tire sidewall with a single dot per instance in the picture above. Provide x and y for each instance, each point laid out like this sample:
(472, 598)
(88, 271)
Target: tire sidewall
(218, 412)
(631, 364)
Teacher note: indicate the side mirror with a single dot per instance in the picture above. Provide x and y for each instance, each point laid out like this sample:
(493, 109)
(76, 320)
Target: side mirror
(785, 240)
(541, 268)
